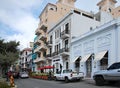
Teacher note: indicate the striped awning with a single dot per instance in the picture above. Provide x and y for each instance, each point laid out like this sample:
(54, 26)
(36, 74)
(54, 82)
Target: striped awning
(100, 55)
(84, 59)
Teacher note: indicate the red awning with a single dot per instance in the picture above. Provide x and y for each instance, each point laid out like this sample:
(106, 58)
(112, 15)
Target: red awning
(48, 67)
(41, 68)
(45, 67)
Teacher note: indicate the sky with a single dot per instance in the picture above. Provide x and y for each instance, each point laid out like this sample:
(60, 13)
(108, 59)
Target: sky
(19, 18)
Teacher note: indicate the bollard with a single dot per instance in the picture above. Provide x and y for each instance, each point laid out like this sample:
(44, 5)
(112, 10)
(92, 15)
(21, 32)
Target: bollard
(12, 84)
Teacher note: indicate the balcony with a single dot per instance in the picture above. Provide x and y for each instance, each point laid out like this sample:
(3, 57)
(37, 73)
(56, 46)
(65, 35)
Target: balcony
(38, 31)
(42, 47)
(65, 34)
(64, 52)
(55, 53)
(43, 26)
(48, 55)
(43, 37)
(49, 43)
(39, 60)
(37, 50)
(37, 41)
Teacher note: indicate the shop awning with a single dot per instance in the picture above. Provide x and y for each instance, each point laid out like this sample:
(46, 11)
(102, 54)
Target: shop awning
(84, 59)
(100, 55)
(48, 67)
(75, 59)
(45, 67)
(41, 68)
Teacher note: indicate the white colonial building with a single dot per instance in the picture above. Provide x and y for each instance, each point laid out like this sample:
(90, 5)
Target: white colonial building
(25, 59)
(60, 36)
(97, 49)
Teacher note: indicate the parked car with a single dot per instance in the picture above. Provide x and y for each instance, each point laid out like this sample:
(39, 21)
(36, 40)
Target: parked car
(69, 75)
(24, 75)
(112, 75)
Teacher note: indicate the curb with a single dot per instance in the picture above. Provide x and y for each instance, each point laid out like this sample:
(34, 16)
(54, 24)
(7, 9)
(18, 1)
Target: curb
(14, 87)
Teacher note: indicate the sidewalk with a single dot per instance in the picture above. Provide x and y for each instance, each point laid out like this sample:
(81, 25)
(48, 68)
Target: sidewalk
(89, 80)
(4, 80)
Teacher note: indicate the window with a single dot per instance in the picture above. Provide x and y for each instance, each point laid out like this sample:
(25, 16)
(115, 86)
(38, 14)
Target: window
(55, 48)
(59, 46)
(55, 34)
(67, 28)
(46, 21)
(67, 65)
(26, 59)
(38, 55)
(26, 52)
(60, 32)
(44, 54)
(51, 39)
(109, 10)
(114, 66)
(50, 51)
(100, 8)
(66, 44)
(51, 9)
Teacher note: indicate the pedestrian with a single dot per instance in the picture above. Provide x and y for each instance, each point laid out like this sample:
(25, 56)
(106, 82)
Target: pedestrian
(6, 74)
(50, 75)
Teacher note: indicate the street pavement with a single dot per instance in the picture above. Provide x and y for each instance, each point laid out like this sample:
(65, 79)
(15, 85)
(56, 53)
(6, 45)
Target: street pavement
(37, 83)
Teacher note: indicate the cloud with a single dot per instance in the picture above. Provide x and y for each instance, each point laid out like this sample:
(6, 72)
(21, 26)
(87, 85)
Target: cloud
(90, 5)
(17, 16)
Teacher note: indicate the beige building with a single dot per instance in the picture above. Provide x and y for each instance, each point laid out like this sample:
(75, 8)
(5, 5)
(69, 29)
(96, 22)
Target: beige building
(109, 6)
(51, 14)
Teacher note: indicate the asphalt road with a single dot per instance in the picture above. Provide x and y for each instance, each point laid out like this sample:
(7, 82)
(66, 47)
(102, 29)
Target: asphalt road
(37, 83)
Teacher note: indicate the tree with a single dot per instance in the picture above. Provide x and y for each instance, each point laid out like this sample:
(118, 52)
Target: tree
(9, 53)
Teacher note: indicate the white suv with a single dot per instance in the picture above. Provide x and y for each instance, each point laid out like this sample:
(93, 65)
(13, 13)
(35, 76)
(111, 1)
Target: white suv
(112, 74)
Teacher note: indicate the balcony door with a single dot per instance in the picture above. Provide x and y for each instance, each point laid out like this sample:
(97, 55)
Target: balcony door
(66, 44)
(67, 28)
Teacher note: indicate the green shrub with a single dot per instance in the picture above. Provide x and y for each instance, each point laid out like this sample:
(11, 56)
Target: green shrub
(4, 85)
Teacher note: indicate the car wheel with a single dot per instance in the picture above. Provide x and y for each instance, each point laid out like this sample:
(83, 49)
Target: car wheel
(112, 82)
(99, 80)
(80, 79)
(66, 79)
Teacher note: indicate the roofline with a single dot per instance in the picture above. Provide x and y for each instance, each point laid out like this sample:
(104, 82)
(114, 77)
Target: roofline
(45, 8)
(96, 30)
(104, 0)
(67, 15)
(71, 12)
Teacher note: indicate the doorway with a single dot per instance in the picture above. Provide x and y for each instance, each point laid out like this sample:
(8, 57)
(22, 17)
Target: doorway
(89, 67)
(77, 65)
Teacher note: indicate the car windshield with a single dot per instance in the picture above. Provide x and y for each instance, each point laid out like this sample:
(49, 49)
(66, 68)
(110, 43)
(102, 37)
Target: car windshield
(114, 66)
(67, 71)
